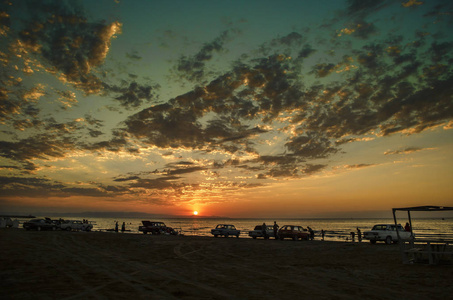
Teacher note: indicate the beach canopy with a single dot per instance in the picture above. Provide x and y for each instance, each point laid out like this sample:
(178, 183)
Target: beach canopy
(424, 208)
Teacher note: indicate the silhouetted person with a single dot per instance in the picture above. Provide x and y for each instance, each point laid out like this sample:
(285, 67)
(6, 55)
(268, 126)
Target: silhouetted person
(263, 230)
(322, 234)
(116, 226)
(275, 230)
(123, 227)
(353, 235)
(312, 233)
(359, 235)
(407, 227)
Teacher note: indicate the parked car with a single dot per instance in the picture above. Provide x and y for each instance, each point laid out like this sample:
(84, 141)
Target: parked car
(156, 228)
(258, 232)
(225, 230)
(386, 233)
(294, 232)
(70, 225)
(40, 224)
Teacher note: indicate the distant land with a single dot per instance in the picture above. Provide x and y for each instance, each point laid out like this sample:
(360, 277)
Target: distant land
(17, 216)
(105, 214)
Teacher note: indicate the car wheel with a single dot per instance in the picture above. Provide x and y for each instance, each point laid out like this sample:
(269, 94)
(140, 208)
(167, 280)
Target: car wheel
(281, 238)
(145, 232)
(216, 235)
(373, 242)
(388, 240)
(237, 236)
(295, 238)
(226, 235)
(254, 237)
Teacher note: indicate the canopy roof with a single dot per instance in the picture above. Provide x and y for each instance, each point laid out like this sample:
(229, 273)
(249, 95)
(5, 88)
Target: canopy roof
(424, 208)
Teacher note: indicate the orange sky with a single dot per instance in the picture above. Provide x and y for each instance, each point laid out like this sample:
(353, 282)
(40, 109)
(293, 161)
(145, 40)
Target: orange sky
(314, 109)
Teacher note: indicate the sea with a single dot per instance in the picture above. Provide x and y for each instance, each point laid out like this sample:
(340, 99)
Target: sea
(336, 229)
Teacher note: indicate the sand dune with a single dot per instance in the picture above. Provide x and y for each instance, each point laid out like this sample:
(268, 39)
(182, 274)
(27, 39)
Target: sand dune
(80, 265)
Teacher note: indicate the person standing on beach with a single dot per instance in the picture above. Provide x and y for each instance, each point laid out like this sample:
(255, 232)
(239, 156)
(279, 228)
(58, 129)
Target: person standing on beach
(322, 234)
(312, 233)
(275, 230)
(123, 227)
(264, 230)
(359, 235)
(116, 226)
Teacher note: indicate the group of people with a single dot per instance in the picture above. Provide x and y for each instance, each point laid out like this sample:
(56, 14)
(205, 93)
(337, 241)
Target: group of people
(123, 227)
(264, 230)
(359, 235)
(276, 227)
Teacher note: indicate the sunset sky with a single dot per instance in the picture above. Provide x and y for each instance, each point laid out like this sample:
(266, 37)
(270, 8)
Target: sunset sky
(231, 108)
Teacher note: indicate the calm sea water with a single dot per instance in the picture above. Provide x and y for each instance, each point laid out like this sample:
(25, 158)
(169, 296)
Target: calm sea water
(336, 229)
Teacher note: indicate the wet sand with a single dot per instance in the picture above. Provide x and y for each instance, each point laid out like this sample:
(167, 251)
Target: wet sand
(96, 265)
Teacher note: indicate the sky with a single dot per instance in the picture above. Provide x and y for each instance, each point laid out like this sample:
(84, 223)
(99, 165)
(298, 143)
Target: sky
(229, 108)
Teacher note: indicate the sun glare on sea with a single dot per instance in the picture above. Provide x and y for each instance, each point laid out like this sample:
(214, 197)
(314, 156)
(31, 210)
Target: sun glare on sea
(195, 213)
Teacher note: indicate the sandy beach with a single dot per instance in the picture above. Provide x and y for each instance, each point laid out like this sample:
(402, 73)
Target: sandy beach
(96, 265)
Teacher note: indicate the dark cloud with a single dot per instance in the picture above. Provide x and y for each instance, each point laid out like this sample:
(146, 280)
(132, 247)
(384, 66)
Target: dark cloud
(133, 94)
(67, 40)
(313, 145)
(363, 8)
(133, 56)
(311, 169)
(35, 187)
(306, 51)
(192, 68)
(323, 70)
(359, 166)
(408, 150)
(129, 178)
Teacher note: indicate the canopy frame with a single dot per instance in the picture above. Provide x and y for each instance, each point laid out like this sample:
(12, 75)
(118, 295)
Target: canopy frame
(431, 255)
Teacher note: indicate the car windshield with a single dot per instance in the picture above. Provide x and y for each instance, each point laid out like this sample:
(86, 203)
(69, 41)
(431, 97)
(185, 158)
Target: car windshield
(379, 227)
(258, 227)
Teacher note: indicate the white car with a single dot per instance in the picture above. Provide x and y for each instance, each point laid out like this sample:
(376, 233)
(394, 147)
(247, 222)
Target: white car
(75, 225)
(386, 233)
(258, 231)
(225, 230)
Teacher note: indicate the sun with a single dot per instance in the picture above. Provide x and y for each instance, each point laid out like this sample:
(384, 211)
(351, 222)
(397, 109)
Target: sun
(195, 213)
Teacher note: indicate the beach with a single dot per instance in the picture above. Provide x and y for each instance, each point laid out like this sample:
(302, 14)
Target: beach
(100, 265)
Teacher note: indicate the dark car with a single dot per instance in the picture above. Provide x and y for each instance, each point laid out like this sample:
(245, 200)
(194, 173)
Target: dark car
(294, 232)
(156, 228)
(226, 230)
(258, 232)
(40, 224)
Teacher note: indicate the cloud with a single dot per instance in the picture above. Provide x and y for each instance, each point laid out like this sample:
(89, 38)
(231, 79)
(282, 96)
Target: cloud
(133, 95)
(359, 166)
(70, 44)
(410, 3)
(36, 187)
(192, 68)
(133, 56)
(408, 150)
(364, 7)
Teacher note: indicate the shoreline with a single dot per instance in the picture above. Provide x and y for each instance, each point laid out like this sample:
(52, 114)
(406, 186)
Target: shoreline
(79, 265)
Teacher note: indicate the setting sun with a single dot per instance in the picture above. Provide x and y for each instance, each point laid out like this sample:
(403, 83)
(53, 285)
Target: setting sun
(195, 213)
